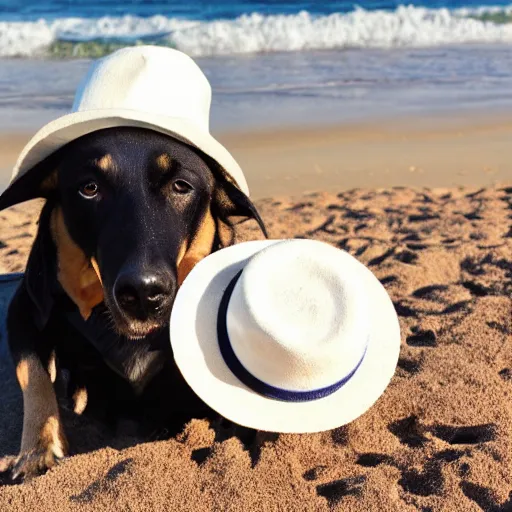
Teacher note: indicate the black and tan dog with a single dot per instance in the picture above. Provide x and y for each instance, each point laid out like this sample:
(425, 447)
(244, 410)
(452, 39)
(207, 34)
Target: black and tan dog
(128, 213)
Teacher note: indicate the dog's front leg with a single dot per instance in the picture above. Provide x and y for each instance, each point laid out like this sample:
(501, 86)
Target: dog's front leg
(43, 441)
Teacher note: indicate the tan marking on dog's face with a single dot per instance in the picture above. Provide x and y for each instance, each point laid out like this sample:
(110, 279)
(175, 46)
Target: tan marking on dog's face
(163, 162)
(106, 163)
(182, 251)
(22, 374)
(52, 367)
(76, 273)
(80, 400)
(200, 247)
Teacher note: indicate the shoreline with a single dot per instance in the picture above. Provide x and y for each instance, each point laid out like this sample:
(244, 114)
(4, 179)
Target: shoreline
(464, 149)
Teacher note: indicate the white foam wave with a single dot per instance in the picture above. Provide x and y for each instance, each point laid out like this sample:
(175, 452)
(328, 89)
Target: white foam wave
(407, 26)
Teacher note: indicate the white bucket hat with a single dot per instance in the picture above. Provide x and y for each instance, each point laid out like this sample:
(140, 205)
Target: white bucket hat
(146, 86)
(285, 336)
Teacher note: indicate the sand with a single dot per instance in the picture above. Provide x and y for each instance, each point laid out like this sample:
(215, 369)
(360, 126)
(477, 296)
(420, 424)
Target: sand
(439, 439)
(437, 151)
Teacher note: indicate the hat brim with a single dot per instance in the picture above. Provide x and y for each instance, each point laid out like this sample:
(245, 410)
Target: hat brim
(193, 329)
(65, 129)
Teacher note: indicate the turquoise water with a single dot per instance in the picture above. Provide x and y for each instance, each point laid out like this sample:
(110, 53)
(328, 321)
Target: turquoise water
(71, 29)
(270, 62)
(207, 10)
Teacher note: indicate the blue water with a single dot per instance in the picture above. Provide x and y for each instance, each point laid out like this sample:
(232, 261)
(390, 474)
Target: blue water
(70, 29)
(23, 10)
(270, 62)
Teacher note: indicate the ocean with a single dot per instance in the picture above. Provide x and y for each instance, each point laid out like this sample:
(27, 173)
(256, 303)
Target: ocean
(271, 62)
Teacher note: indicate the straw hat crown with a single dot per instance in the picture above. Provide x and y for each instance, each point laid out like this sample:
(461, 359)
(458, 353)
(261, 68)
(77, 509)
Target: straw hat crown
(295, 320)
(150, 87)
(149, 79)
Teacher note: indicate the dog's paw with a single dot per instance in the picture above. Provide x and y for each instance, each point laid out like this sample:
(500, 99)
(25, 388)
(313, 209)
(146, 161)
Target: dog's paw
(31, 463)
(6, 463)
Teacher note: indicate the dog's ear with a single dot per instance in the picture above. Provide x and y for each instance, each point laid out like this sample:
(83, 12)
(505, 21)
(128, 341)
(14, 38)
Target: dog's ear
(229, 202)
(41, 269)
(40, 181)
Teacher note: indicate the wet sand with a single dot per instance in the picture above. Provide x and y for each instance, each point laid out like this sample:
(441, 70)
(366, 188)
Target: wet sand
(442, 151)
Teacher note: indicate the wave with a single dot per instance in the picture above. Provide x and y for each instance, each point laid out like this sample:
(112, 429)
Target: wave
(407, 26)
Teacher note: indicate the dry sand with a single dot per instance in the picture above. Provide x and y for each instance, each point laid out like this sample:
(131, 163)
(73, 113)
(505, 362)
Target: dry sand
(439, 439)
(435, 152)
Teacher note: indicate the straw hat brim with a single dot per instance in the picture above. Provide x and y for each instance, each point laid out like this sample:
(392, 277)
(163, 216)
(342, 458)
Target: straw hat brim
(69, 127)
(193, 329)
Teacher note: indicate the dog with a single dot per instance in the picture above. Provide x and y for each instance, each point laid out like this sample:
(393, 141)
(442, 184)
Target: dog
(128, 213)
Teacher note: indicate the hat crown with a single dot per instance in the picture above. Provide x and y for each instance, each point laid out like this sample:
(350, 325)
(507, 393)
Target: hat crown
(297, 318)
(150, 79)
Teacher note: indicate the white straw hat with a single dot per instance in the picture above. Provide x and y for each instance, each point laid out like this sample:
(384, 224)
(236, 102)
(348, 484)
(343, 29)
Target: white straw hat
(285, 336)
(145, 86)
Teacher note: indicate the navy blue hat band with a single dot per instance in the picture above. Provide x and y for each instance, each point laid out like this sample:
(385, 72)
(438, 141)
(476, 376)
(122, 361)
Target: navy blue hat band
(252, 382)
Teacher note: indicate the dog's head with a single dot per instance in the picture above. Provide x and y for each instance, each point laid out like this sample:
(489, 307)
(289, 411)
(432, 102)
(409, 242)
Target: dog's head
(130, 212)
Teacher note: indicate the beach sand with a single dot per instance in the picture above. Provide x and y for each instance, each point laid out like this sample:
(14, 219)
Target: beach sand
(434, 151)
(439, 439)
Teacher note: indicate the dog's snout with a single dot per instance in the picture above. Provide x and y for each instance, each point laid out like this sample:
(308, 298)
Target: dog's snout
(143, 295)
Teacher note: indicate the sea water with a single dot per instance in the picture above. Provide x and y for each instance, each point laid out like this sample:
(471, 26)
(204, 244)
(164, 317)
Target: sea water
(270, 62)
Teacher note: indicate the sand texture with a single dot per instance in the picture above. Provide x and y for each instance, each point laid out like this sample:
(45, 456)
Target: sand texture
(439, 439)
(433, 152)
(438, 151)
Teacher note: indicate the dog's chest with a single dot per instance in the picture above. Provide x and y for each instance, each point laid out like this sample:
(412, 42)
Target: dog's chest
(136, 361)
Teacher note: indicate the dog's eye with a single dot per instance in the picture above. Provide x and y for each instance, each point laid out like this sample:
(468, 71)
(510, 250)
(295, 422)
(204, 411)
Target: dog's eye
(181, 187)
(89, 190)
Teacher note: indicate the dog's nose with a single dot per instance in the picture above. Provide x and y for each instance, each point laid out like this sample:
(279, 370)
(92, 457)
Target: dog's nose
(143, 295)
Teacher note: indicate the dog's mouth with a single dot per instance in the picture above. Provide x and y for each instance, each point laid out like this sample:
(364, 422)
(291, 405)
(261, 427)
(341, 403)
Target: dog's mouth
(136, 328)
